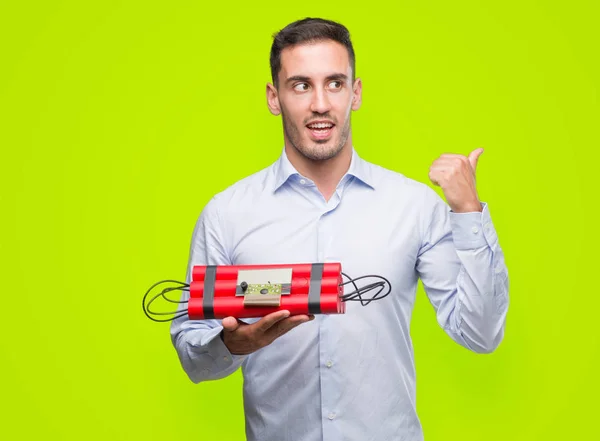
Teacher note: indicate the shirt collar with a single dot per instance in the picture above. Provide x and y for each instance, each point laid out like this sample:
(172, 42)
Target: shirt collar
(359, 168)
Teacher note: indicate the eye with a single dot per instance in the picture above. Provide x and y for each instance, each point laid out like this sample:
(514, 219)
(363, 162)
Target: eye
(336, 84)
(301, 87)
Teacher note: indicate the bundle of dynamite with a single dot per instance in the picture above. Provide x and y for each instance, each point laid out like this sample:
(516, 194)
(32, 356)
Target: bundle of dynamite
(243, 291)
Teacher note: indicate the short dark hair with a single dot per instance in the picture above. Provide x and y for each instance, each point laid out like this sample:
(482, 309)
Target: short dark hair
(309, 30)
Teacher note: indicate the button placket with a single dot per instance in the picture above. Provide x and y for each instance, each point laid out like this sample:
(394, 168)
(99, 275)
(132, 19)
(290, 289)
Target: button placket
(329, 382)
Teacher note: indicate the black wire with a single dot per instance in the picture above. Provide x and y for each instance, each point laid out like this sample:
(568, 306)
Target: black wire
(353, 297)
(175, 288)
(356, 295)
(352, 281)
(146, 307)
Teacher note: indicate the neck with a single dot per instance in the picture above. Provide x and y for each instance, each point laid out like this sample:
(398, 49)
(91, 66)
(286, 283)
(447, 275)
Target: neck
(326, 174)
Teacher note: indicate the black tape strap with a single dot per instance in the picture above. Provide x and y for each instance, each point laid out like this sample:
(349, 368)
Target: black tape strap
(210, 276)
(314, 292)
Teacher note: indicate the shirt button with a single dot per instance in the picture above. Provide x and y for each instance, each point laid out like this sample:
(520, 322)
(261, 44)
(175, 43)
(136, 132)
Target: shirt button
(226, 358)
(475, 230)
(302, 181)
(329, 364)
(331, 416)
(498, 270)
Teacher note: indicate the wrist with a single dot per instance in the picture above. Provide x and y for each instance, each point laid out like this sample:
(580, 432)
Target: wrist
(468, 208)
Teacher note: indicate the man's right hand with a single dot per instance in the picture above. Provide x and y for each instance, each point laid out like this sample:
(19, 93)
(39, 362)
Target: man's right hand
(242, 338)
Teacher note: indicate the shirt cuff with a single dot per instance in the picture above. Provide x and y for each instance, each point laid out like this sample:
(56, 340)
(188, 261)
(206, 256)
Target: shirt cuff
(473, 230)
(212, 343)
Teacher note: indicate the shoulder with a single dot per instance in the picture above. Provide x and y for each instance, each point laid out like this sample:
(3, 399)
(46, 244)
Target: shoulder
(408, 196)
(244, 192)
(388, 180)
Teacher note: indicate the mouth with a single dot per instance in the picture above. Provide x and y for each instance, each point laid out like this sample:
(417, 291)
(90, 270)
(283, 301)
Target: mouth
(319, 130)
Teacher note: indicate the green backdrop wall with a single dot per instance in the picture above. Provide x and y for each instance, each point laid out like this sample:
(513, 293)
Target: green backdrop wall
(120, 119)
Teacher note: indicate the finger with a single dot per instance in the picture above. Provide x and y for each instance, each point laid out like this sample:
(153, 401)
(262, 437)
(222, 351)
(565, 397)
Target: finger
(474, 157)
(440, 166)
(269, 320)
(447, 171)
(455, 161)
(230, 324)
(284, 326)
(434, 178)
(437, 174)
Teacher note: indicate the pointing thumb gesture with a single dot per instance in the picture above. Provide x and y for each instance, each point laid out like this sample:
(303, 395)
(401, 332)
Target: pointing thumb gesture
(474, 157)
(456, 175)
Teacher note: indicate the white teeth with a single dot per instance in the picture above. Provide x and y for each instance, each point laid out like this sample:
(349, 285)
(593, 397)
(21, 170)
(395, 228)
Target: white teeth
(321, 126)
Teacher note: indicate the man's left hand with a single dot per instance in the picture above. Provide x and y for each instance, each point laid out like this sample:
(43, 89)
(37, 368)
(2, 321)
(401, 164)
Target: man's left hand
(455, 174)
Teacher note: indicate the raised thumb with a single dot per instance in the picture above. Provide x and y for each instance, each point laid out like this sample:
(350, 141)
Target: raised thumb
(474, 157)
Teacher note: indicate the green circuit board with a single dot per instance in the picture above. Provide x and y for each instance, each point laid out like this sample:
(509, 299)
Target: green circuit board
(265, 288)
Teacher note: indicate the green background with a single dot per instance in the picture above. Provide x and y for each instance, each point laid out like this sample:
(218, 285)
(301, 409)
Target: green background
(119, 120)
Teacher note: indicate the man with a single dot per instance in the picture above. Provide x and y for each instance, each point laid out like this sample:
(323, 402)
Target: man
(349, 376)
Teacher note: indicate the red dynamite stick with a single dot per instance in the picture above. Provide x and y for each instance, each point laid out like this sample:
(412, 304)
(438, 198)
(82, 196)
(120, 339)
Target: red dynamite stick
(230, 272)
(224, 302)
(234, 307)
(300, 286)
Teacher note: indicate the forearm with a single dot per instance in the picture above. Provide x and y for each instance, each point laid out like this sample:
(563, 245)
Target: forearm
(202, 353)
(477, 313)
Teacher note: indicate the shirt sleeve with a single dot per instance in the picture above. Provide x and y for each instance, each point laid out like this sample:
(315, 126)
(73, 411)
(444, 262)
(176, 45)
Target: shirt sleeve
(200, 349)
(464, 274)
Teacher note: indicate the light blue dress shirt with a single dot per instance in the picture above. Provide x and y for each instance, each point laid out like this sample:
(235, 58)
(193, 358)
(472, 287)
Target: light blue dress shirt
(349, 376)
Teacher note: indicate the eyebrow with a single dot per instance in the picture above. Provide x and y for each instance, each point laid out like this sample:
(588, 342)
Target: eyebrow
(335, 76)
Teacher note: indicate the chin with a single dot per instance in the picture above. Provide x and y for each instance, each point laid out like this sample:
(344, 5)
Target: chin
(322, 152)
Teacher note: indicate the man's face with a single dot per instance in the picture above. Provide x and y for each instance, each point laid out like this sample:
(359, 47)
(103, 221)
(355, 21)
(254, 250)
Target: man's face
(315, 97)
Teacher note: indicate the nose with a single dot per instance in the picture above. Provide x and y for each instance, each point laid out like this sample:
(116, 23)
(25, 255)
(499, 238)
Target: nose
(320, 101)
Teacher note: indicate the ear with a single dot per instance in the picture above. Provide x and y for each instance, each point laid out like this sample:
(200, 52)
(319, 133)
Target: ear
(357, 94)
(273, 100)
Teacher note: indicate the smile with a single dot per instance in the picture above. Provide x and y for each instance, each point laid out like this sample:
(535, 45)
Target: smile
(320, 130)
